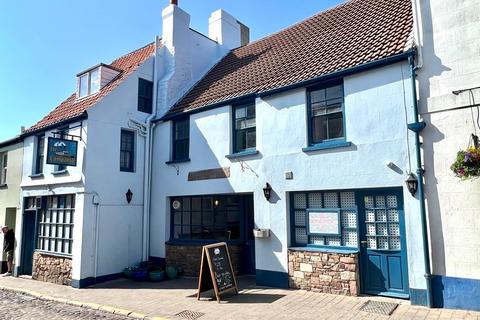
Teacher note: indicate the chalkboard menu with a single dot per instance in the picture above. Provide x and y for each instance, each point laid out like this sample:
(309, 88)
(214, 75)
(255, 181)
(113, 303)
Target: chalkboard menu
(216, 270)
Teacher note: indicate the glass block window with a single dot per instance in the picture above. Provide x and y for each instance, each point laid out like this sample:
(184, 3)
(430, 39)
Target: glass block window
(55, 224)
(382, 223)
(344, 201)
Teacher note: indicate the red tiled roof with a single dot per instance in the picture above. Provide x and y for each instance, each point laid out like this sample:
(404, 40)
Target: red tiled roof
(351, 34)
(73, 107)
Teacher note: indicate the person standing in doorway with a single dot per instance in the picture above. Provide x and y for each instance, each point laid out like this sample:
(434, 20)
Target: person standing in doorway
(8, 247)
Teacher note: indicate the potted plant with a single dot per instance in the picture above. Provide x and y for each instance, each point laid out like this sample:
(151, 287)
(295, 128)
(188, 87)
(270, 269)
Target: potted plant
(467, 163)
(171, 272)
(128, 271)
(156, 275)
(140, 274)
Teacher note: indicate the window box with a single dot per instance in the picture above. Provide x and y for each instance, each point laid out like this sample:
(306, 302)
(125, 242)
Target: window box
(36, 176)
(241, 154)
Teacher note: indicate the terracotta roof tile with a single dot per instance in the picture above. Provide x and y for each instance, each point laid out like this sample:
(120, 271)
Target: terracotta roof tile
(73, 107)
(354, 33)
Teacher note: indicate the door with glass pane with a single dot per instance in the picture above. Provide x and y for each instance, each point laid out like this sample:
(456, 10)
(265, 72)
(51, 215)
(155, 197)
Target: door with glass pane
(383, 255)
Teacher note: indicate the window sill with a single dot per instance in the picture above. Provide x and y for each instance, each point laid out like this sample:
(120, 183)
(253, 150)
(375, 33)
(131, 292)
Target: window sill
(325, 249)
(178, 161)
(53, 254)
(36, 176)
(327, 145)
(60, 172)
(241, 154)
(3, 186)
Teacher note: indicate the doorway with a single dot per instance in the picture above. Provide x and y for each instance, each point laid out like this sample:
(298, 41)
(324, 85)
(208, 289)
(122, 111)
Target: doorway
(28, 241)
(383, 251)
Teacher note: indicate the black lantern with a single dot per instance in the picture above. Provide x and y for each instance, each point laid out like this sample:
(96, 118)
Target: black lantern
(129, 195)
(412, 183)
(267, 191)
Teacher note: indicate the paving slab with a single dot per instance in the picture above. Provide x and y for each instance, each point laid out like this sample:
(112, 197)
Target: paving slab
(164, 300)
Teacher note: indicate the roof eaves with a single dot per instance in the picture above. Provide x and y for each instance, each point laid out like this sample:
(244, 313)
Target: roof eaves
(336, 74)
(11, 141)
(76, 118)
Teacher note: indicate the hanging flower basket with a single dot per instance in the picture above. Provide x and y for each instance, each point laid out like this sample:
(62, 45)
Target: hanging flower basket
(467, 164)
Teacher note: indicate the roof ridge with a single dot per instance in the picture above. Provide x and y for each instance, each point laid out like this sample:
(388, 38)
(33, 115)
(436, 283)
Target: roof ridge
(133, 52)
(298, 23)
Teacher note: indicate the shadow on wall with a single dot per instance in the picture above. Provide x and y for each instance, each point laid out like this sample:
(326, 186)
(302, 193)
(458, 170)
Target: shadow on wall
(433, 67)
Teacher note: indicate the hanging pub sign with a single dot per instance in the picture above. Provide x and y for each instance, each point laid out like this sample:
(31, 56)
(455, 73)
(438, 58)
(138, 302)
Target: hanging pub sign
(216, 271)
(62, 152)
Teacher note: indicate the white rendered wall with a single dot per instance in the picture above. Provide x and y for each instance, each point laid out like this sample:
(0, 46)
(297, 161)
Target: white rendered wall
(375, 104)
(120, 223)
(451, 45)
(49, 184)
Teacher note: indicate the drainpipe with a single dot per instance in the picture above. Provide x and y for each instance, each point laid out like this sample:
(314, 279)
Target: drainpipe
(417, 127)
(148, 163)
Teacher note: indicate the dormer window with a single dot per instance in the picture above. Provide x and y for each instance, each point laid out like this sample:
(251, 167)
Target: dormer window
(92, 80)
(89, 83)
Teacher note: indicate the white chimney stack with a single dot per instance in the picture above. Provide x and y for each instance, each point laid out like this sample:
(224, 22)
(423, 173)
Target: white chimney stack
(226, 30)
(176, 23)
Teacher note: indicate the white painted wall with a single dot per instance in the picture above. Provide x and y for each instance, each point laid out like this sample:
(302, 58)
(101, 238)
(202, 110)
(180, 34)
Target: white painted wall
(450, 45)
(375, 103)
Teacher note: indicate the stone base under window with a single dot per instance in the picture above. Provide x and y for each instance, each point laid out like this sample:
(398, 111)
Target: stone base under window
(52, 269)
(327, 272)
(187, 258)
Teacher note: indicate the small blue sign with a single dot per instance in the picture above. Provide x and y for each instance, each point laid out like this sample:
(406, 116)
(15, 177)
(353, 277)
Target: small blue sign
(62, 152)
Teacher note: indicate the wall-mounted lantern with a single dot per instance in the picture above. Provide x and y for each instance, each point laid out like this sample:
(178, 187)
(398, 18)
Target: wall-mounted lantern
(129, 195)
(412, 183)
(267, 191)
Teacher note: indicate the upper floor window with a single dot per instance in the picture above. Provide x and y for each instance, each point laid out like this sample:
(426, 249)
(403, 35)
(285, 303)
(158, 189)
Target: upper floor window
(127, 150)
(89, 83)
(145, 93)
(181, 139)
(244, 137)
(40, 154)
(3, 167)
(326, 113)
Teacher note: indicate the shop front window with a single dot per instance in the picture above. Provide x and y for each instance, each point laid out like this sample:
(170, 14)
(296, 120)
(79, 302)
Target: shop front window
(215, 218)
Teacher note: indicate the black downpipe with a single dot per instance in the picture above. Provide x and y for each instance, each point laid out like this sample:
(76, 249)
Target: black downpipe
(421, 192)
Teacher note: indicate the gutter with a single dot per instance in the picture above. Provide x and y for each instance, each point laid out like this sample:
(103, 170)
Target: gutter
(417, 127)
(337, 74)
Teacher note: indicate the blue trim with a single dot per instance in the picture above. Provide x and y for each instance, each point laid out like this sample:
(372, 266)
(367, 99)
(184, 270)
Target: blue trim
(328, 145)
(339, 224)
(86, 282)
(245, 153)
(178, 161)
(322, 78)
(275, 279)
(418, 297)
(325, 249)
(417, 126)
(456, 293)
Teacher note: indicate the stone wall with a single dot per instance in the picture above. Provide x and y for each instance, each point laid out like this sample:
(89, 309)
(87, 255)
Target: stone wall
(52, 269)
(335, 273)
(187, 258)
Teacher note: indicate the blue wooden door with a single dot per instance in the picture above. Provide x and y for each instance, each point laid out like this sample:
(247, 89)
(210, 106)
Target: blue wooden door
(383, 252)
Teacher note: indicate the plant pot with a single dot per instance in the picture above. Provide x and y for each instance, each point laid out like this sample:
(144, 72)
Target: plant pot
(128, 272)
(172, 272)
(140, 275)
(156, 275)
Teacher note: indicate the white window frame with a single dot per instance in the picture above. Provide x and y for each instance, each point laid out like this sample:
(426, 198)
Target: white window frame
(4, 168)
(89, 83)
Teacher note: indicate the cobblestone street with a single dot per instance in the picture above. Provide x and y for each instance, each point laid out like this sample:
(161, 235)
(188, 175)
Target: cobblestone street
(17, 306)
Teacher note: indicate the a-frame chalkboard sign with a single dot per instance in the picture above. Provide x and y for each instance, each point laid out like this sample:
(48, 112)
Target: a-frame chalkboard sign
(216, 271)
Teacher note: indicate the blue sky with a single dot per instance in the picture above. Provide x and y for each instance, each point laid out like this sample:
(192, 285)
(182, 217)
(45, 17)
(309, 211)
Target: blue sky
(44, 44)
